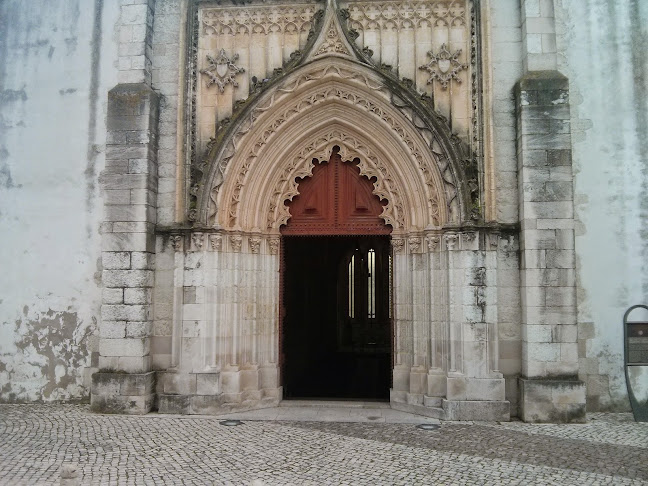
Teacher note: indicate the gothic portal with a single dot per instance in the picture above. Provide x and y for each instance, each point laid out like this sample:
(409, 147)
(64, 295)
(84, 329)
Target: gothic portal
(332, 228)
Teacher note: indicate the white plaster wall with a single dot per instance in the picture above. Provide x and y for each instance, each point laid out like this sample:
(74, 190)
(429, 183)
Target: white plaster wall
(57, 63)
(602, 50)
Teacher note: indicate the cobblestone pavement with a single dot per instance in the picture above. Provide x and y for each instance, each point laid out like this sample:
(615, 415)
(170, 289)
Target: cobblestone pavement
(36, 440)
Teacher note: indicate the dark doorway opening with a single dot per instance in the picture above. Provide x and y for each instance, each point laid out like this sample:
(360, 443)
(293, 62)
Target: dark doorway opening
(336, 336)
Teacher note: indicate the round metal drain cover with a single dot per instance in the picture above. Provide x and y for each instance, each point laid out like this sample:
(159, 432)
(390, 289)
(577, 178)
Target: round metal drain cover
(428, 426)
(231, 423)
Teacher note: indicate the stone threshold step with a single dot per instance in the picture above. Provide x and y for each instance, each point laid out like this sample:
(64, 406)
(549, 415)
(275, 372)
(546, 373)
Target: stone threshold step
(334, 404)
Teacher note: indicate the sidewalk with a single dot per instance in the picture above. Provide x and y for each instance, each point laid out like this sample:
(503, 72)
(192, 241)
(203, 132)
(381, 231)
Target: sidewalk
(313, 445)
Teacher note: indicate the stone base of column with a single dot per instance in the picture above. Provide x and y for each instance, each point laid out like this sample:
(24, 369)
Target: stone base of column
(552, 400)
(498, 411)
(440, 408)
(124, 393)
(212, 393)
(211, 404)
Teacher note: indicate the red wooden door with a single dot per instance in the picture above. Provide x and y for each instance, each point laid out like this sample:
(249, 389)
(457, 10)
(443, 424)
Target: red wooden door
(336, 200)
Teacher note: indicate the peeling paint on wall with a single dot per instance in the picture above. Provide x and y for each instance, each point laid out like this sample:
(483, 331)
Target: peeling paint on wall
(42, 357)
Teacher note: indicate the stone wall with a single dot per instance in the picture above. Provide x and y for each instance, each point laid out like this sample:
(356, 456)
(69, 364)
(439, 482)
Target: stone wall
(57, 63)
(602, 51)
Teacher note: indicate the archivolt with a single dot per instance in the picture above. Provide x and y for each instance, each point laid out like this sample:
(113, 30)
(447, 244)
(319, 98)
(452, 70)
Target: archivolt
(324, 104)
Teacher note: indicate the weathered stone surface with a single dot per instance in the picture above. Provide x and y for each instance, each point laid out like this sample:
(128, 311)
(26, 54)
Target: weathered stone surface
(477, 410)
(547, 400)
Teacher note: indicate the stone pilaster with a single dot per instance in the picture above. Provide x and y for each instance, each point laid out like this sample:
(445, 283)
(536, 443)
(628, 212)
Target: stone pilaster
(550, 390)
(125, 382)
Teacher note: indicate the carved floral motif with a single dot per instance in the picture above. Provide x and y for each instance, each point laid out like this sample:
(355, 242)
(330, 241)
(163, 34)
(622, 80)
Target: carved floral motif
(398, 244)
(444, 66)
(222, 70)
(414, 244)
(176, 242)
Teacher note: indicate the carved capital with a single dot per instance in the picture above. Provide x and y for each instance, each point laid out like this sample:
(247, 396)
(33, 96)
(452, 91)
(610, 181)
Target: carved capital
(255, 244)
(273, 243)
(451, 240)
(236, 241)
(198, 240)
(414, 244)
(433, 243)
(398, 244)
(216, 242)
(177, 242)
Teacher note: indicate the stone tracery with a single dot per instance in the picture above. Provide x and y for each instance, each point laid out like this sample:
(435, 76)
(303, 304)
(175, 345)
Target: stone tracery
(322, 86)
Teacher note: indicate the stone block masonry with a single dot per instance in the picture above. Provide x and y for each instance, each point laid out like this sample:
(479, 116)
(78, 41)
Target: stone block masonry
(549, 388)
(128, 253)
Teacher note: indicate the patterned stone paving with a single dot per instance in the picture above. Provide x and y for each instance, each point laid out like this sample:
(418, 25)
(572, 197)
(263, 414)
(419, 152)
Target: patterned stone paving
(36, 440)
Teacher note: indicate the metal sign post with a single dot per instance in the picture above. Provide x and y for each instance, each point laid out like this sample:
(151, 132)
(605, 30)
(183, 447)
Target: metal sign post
(635, 352)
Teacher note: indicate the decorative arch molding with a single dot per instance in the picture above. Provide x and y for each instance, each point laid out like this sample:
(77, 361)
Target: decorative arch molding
(444, 161)
(350, 148)
(302, 129)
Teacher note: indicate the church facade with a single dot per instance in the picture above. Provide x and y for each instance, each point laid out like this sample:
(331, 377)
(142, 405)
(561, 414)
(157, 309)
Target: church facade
(422, 202)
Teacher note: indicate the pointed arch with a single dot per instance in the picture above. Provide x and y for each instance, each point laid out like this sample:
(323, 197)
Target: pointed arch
(324, 97)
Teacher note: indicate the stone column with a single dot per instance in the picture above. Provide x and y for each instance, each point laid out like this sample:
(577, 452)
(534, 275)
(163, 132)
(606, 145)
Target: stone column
(125, 382)
(549, 388)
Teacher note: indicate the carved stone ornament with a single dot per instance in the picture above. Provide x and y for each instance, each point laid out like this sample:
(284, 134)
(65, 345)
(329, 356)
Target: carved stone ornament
(265, 130)
(216, 242)
(414, 244)
(221, 70)
(176, 242)
(433, 243)
(273, 243)
(236, 242)
(255, 244)
(451, 241)
(332, 44)
(198, 240)
(444, 66)
(398, 244)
